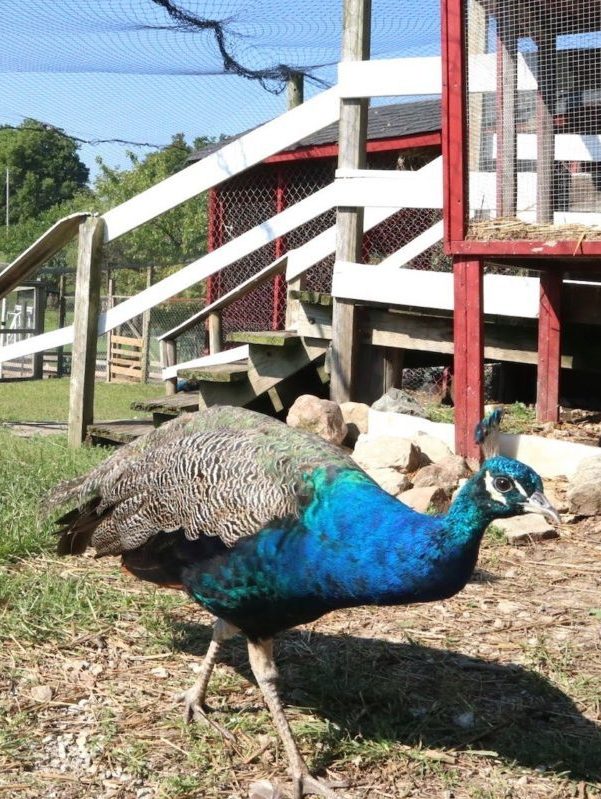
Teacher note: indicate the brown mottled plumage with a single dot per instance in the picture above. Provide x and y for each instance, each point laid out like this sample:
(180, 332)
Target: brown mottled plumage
(222, 472)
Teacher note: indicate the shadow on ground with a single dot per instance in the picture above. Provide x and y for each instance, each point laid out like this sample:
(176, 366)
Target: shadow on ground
(421, 696)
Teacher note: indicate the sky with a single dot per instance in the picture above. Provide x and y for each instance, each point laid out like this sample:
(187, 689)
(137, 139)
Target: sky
(125, 69)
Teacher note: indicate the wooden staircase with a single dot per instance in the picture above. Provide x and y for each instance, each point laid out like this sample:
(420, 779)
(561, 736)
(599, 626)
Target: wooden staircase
(280, 366)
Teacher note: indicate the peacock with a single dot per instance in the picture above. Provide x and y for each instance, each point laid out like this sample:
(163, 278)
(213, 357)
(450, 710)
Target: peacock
(269, 527)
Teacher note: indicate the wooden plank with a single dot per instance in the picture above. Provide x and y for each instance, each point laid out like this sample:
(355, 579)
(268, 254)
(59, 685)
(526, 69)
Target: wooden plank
(419, 189)
(271, 338)
(130, 362)
(507, 80)
(546, 99)
(87, 307)
(42, 249)
(227, 356)
(468, 373)
(130, 341)
(549, 347)
(230, 160)
(222, 373)
(352, 134)
(177, 403)
(129, 371)
(389, 77)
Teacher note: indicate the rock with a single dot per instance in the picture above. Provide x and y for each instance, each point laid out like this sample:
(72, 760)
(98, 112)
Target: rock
(391, 480)
(160, 672)
(433, 448)
(264, 789)
(399, 401)
(382, 452)
(447, 473)
(355, 417)
(425, 499)
(584, 491)
(41, 693)
(320, 416)
(526, 529)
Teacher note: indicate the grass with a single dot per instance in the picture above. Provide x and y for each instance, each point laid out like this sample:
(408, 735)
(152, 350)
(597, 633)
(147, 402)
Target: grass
(518, 418)
(494, 693)
(48, 400)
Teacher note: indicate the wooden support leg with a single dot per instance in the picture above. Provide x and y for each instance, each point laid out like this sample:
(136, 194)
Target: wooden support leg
(85, 333)
(549, 347)
(468, 373)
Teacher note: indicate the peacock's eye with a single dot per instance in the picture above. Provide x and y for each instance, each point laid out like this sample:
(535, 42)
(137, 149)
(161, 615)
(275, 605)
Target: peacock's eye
(503, 484)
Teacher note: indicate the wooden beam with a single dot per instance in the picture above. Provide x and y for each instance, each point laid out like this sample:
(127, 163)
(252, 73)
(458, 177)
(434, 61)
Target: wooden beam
(49, 243)
(214, 330)
(39, 312)
(349, 221)
(468, 334)
(546, 99)
(85, 326)
(507, 84)
(549, 347)
(146, 331)
(169, 358)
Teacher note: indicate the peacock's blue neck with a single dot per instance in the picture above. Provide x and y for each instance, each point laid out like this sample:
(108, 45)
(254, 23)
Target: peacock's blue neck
(355, 544)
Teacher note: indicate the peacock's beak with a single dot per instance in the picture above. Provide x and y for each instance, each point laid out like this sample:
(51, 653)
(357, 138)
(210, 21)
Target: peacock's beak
(538, 503)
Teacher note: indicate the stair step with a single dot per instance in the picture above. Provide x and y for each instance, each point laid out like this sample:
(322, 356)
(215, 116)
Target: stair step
(269, 338)
(312, 297)
(171, 405)
(119, 432)
(222, 373)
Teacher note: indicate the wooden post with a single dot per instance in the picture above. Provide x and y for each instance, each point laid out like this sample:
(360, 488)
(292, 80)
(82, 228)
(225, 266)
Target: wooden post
(110, 301)
(39, 311)
(85, 334)
(546, 98)
(169, 358)
(214, 328)
(507, 86)
(60, 351)
(468, 372)
(349, 221)
(392, 375)
(295, 86)
(146, 332)
(549, 346)
(477, 35)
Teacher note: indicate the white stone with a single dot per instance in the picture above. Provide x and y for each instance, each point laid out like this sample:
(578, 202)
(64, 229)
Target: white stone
(386, 452)
(433, 448)
(447, 472)
(526, 529)
(584, 491)
(355, 417)
(431, 498)
(391, 480)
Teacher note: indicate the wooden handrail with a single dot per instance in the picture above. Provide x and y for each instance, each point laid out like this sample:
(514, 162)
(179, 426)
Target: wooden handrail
(275, 268)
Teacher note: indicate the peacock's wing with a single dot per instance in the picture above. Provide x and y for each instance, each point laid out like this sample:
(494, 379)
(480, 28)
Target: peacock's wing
(224, 472)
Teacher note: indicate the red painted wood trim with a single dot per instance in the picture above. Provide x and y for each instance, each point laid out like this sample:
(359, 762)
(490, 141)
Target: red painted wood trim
(532, 249)
(454, 123)
(432, 139)
(549, 347)
(468, 372)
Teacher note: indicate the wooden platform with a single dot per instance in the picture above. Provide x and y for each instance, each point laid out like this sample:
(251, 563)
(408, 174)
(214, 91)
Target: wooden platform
(119, 431)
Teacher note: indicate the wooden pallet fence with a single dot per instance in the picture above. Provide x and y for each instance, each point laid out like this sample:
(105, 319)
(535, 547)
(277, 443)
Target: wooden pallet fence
(125, 359)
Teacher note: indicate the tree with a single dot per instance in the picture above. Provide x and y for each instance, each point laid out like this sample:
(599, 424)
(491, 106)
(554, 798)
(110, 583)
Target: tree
(43, 167)
(166, 242)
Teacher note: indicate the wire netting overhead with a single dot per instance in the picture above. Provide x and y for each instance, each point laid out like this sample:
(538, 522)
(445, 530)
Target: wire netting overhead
(141, 70)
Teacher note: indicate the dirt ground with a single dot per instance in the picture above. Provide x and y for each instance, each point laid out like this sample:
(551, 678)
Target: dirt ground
(494, 693)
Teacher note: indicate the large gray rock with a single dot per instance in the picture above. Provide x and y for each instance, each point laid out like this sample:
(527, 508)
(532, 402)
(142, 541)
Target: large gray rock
(584, 491)
(526, 529)
(391, 480)
(399, 401)
(447, 473)
(383, 452)
(431, 498)
(355, 415)
(320, 416)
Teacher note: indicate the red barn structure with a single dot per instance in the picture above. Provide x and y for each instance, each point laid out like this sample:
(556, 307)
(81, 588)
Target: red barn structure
(522, 154)
(409, 131)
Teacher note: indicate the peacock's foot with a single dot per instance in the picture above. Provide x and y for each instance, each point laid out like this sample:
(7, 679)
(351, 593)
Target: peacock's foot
(196, 710)
(306, 785)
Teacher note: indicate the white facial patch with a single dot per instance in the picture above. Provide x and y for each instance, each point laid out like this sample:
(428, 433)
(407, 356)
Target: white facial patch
(492, 491)
(521, 489)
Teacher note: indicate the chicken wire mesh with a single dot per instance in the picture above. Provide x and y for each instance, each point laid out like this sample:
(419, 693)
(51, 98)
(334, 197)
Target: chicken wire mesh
(534, 118)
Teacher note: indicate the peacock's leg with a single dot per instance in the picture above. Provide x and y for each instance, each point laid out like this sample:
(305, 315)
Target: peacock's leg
(194, 697)
(261, 661)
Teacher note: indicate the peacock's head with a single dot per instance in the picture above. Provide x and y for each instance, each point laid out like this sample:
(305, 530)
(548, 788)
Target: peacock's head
(509, 488)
